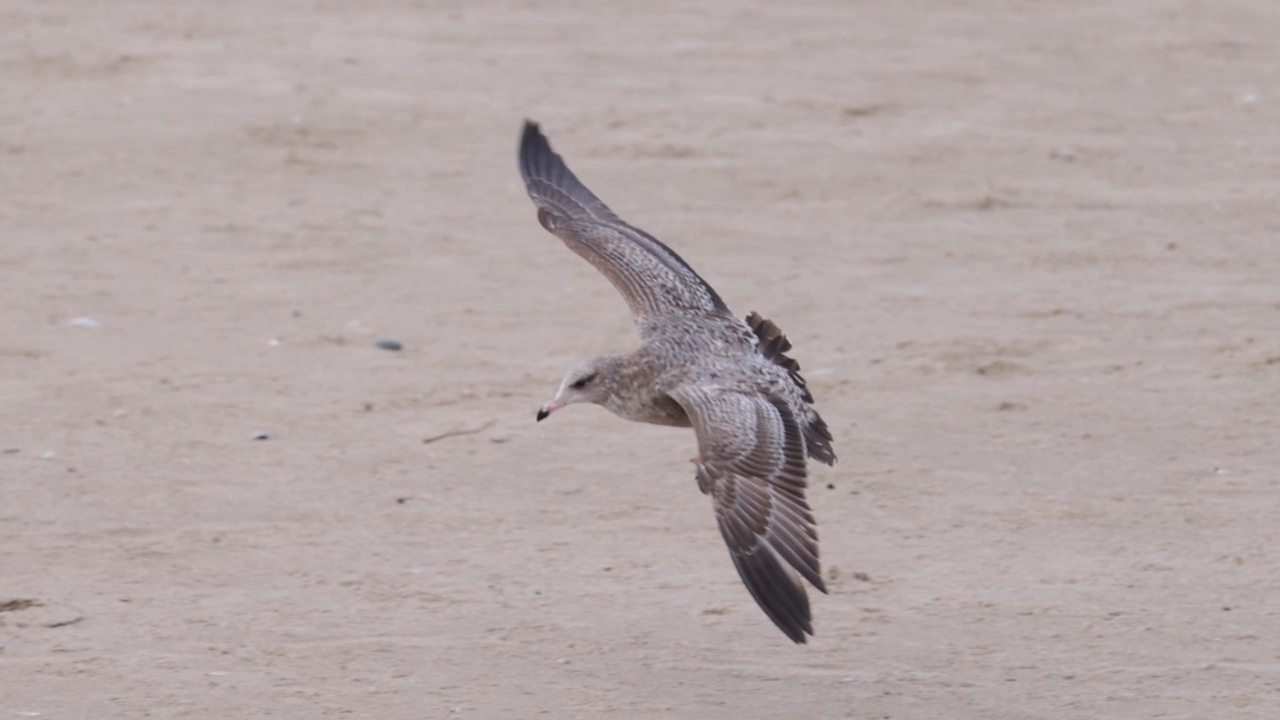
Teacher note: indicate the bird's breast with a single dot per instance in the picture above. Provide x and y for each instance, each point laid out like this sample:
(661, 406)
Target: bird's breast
(655, 409)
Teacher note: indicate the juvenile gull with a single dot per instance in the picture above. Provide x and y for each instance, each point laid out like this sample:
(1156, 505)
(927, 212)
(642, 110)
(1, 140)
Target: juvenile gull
(699, 366)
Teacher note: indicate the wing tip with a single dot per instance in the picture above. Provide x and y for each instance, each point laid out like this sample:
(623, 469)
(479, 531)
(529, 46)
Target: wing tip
(778, 592)
(820, 585)
(531, 133)
(550, 182)
(534, 146)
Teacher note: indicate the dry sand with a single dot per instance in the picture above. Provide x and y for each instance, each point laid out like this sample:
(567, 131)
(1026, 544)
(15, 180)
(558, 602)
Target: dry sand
(1030, 253)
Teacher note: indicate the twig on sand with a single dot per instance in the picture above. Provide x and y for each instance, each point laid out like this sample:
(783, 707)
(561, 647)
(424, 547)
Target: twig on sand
(454, 433)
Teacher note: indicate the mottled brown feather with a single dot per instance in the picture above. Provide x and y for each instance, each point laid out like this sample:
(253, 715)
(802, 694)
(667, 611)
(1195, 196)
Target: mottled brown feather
(774, 345)
(753, 465)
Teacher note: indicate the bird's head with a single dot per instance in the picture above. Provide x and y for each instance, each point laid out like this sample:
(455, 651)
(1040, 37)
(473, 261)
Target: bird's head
(590, 381)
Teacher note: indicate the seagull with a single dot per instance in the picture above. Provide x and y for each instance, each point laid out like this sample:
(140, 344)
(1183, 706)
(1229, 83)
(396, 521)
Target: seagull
(699, 366)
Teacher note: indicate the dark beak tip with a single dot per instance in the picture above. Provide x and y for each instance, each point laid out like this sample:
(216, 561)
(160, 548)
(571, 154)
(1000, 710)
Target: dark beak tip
(542, 414)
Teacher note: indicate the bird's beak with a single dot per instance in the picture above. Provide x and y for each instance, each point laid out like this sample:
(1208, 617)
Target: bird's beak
(545, 411)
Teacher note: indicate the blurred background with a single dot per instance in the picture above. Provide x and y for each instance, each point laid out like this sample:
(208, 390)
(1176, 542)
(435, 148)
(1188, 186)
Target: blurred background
(1027, 254)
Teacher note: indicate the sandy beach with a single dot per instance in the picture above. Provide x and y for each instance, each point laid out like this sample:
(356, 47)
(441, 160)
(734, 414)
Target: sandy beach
(1028, 255)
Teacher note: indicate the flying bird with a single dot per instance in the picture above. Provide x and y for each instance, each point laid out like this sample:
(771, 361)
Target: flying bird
(699, 366)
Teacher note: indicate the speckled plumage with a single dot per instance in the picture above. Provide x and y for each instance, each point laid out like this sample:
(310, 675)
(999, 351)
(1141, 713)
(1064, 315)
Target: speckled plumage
(699, 366)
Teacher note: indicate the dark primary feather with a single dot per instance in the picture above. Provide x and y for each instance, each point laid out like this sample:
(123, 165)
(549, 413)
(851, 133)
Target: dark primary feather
(653, 279)
(550, 180)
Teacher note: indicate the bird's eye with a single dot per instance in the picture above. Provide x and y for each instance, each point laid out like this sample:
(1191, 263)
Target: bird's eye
(582, 382)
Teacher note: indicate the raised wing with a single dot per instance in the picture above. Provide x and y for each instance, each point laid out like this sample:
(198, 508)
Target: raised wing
(654, 280)
(753, 466)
